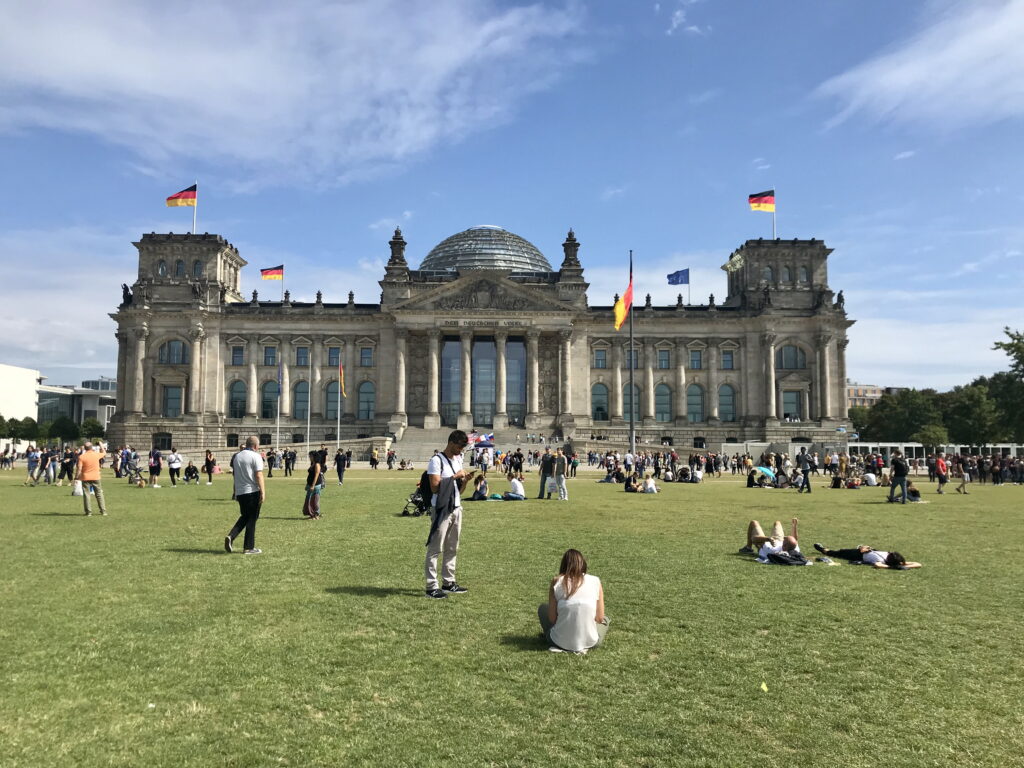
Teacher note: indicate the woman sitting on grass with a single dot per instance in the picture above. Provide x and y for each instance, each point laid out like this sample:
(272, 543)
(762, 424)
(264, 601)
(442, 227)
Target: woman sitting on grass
(913, 492)
(632, 484)
(573, 617)
(649, 484)
(479, 488)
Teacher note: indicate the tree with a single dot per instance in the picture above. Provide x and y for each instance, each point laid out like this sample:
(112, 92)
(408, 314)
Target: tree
(859, 416)
(92, 428)
(1014, 347)
(931, 436)
(970, 415)
(897, 417)
(1007, 393)
(64, 428)
(28, 429)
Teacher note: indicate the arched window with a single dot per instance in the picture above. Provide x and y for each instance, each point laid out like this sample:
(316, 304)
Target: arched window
(174, 352)
(268, 400)
(300, 401)
(805, 275)
(197, 269)
(367, 400)
(331, 411)
(787, 275)
(161, 268)
(662, 403)
(631, 402)
(237, 394)
(769, 274)
(790, 357)
(179, 268)
(727, 403)
(599, 402)
(695, 403)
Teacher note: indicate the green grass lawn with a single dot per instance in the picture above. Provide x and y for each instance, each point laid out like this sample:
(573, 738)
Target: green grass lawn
(134, 640)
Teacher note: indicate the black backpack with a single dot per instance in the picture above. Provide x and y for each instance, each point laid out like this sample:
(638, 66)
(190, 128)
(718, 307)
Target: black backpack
(424, 486)
(787, 558)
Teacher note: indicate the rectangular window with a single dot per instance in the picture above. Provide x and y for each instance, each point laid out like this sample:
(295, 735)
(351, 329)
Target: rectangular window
(366, 357)
(334, 356)
(633, 359)
(270, 355)
(664, 359)
(600, 358)
(696, 357)
(727, 362)
(172, 402)
(238, 355)
(302, 356)
(791, 402)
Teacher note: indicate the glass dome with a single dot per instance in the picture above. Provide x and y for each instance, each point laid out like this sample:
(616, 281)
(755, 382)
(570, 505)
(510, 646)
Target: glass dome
(486, 247)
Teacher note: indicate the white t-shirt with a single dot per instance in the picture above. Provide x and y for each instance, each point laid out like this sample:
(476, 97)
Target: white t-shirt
(246, 464)
(870, 479)
(445, 467)
(517, 486)
(649, 486)
(576, 629)
(174, 461)
(772, 548)
(874, 556)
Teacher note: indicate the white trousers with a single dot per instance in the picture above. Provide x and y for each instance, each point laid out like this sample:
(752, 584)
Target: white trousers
(445, 540)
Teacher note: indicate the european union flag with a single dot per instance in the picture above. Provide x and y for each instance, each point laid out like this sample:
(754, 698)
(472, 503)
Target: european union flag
(682, 277)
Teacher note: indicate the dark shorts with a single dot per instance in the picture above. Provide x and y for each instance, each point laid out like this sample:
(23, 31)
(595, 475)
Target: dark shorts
(154, 470)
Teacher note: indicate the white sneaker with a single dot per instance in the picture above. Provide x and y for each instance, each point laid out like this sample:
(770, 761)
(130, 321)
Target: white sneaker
(154, 485)
(208, 483)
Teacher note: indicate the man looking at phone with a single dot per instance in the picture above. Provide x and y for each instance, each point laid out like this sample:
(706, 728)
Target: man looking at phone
(447, 480)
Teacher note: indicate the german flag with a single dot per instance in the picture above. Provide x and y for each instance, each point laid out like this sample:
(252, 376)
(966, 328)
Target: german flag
(762, 201)
(622, 306)
(273, 273)
(185, 197)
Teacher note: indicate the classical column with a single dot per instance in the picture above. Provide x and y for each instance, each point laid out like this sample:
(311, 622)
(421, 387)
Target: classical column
(139, 370)
(432, 419)
(500, 385)
(841, 363)
(768, 342)
(825, 375)
(466, 395)
(617, 381)
(252, 392)
(195, 375)
(566, 351)
(533, 363)
(121, 401)
(400, 338)
(649, 353)
(680, 381)
(350, 376)
(286, 385)
(805, 406)
(316, 397)
(712, 380)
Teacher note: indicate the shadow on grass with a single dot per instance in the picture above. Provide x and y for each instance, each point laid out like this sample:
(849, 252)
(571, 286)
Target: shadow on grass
(60, 514)
(529, 643)
(195, 550)
(364, 591)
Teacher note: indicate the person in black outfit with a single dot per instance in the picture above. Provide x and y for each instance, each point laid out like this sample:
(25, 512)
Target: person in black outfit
(900, 469)
(340, 462)
(547, 469)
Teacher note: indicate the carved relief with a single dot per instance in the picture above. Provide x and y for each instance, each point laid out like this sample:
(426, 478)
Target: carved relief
(417, 370)
(483, 294)
(548, 391)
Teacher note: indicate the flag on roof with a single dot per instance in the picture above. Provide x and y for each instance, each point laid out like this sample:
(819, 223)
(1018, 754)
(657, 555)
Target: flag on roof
(762, 201)
(682, 277)
(273, 273)
(185, 197)
(622, 305)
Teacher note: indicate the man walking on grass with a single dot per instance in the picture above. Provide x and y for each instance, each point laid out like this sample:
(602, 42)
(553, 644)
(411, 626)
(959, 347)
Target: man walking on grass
(88, 471)
(900, 469)
(250, 492)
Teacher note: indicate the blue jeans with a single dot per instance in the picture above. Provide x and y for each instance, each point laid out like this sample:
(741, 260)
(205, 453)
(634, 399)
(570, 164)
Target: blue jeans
(902, 483)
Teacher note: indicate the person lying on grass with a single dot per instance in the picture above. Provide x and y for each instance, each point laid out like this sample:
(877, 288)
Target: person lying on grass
(776, 547)
(864, 555)
(573, 618)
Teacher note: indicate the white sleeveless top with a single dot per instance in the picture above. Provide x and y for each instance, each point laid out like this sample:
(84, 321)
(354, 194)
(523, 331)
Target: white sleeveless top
(576, 629)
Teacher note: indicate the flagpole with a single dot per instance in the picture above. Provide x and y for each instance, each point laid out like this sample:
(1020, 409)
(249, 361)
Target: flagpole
(337, 431)
(280, 381)
(774, 206)
(309, 396)
(195, 208)
(632, 391)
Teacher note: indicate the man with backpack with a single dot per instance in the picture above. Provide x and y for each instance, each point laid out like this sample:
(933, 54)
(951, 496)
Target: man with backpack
(899, 470)
(776, 548)
(447, 479)
(547, 471)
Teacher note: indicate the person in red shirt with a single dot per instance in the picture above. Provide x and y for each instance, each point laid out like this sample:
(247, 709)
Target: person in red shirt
(941, 470)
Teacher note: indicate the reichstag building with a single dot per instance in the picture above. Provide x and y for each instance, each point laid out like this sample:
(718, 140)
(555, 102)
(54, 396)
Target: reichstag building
(485, 334)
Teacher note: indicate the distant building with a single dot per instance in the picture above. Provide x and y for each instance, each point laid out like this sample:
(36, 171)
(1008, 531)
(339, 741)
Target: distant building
(486, 334)
(95, 399)
(866, 395)
(18, 391)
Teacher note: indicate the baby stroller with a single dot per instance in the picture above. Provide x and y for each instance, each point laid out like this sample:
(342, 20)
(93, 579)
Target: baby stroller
(132, 472)
(417, 505)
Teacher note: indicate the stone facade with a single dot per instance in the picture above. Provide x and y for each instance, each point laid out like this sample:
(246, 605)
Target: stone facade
(485, 347)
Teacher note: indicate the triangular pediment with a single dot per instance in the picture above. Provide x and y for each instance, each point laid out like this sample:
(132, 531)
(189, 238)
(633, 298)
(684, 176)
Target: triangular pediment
(481, 291)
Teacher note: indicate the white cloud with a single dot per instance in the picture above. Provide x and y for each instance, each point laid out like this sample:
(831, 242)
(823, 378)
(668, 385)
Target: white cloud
(760, 164)
(309, 89)
(966, 68)
(703, 97)
(390, 222)
(610, 193)
(677, 20)
(905, 155)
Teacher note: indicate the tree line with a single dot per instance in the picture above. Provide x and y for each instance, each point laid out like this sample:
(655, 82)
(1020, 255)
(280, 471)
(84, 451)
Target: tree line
(986, 411)
(61, 429)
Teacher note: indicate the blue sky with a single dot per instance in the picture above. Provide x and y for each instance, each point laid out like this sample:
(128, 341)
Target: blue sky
(892, 131)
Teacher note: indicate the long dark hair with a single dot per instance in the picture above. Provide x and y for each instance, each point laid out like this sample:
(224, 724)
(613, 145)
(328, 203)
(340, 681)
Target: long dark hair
(572, 570)
(895, 560)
